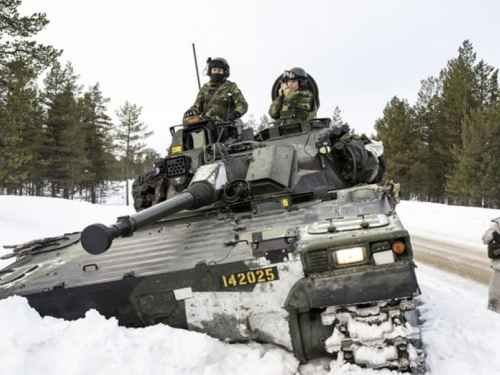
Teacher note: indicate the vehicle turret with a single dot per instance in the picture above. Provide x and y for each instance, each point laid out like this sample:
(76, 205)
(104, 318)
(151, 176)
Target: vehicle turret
(202, 169)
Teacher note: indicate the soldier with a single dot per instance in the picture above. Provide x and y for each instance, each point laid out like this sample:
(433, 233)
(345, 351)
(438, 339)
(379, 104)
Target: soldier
(295, 101)
(218, 99)
(492, 238)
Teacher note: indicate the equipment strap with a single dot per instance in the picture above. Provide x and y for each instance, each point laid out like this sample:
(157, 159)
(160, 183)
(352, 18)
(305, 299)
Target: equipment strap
(214, 95)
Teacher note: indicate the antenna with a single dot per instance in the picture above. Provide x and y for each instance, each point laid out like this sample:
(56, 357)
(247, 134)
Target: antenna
(196, 66)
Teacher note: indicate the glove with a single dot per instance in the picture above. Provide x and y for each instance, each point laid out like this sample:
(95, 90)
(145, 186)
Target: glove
(190, 112)
(493, 250)
(231, 116)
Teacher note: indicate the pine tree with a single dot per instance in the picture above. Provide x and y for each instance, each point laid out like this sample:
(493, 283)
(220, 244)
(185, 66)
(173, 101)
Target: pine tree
(145, 160)
(98, 146)
(16, 45)
(397, 130)
(457, 101)
(464, 185)
(34, 142)
(478, 93)
(336, 118)
(428, 125)
(14, 115)
(252, 123)
(17, 130)
(264, 123)
(130, 133)
(64, 149)
(487, 94)
(21, 61)
(452, 131)
(490, 183)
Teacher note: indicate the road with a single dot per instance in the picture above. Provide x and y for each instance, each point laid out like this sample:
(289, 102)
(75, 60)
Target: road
(457, 259)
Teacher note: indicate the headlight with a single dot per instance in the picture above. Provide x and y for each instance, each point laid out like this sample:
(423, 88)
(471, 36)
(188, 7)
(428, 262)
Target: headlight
(350, 256)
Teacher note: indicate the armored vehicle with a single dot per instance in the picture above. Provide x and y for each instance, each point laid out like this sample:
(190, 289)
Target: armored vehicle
(285, 237)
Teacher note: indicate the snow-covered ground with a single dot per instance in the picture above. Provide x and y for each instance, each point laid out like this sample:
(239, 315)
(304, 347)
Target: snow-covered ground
(460, 335)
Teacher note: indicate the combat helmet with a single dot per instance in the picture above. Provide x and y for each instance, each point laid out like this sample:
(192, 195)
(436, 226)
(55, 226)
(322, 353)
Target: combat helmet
(295, 73)
(218, 62)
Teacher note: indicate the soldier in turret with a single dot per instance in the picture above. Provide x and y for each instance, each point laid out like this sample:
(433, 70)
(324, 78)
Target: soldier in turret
(219, 99)
(295, 101)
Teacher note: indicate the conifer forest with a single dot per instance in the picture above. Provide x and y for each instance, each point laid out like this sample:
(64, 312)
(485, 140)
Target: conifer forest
(57, 137)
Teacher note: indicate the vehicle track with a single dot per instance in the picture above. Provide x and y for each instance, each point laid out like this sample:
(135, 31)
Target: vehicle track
(459, 259)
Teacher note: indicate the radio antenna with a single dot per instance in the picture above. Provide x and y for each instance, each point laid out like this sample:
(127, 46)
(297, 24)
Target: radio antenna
(196, 66)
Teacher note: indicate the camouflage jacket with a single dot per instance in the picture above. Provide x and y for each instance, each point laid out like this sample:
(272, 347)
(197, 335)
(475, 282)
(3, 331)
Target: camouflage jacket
(293, 106)
(217, 99)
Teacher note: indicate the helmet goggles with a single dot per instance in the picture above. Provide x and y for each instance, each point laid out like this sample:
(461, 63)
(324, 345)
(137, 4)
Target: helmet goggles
(287, 74)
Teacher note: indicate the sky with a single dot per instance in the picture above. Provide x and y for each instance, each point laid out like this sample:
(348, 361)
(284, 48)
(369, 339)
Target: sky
(459, 334)
(361, 53)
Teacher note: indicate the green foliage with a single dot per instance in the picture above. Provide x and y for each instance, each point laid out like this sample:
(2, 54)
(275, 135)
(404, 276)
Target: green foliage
(442, 149)
(490, 183)
(427, 123)
(98, 146)
(130, 133)
(64, 145)
(21, 61)
(145, 159)
(468, 156)
(56, 137)
(401, 138)
(15, 47)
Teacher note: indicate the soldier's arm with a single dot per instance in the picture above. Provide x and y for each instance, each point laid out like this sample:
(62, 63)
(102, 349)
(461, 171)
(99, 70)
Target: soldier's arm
(302, 99)
(199, 103)
(240, 104)
(274, 110)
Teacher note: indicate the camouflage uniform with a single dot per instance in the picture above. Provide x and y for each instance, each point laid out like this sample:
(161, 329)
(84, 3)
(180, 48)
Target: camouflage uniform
(228, 98)
(293, 106)
(492, 238)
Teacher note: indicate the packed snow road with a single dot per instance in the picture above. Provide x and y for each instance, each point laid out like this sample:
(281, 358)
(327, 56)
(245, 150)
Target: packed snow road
(461, 260)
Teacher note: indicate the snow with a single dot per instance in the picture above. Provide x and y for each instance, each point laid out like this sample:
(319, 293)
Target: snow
(455, 224)
(460, 335)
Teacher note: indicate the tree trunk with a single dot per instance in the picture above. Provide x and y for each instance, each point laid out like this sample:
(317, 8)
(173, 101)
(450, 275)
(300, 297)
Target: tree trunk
(126, 183)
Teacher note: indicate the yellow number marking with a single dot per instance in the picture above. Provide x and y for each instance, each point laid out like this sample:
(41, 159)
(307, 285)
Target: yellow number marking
(269, 274)
(251, 277)
(241, 279)
(260, 276)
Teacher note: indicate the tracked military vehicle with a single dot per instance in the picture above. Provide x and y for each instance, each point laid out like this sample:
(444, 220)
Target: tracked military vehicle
(285, 237)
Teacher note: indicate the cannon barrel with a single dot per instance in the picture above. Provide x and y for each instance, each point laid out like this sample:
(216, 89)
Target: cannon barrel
(97, 238)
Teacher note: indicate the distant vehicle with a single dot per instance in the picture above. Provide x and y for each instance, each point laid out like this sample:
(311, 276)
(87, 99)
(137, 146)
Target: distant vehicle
(284, 237)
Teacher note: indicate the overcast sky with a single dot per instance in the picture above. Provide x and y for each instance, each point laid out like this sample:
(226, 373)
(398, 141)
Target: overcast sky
(361, 53)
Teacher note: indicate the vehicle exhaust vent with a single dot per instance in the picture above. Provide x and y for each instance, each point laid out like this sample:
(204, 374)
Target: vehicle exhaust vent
(241, 207)
(364, 195)
(301, 198)
(316, 261)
